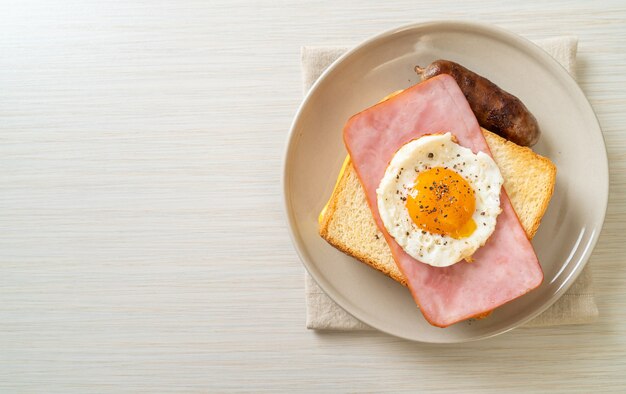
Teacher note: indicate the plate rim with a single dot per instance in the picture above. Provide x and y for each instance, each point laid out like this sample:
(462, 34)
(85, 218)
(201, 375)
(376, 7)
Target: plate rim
(536, 51)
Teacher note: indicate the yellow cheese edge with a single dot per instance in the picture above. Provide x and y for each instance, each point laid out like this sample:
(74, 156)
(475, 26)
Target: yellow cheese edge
(346, 161)
(345, 164)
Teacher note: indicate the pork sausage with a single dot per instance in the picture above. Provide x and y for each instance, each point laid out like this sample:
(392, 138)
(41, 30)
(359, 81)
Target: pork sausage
(496, 110)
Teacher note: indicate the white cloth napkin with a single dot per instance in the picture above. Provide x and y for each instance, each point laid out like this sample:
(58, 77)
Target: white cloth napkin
(576, 306)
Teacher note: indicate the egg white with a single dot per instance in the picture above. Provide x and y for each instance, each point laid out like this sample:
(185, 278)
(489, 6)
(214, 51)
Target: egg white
(479, 170)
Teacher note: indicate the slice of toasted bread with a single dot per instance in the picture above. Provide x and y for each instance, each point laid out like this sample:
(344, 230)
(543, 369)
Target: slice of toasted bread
(346, 221)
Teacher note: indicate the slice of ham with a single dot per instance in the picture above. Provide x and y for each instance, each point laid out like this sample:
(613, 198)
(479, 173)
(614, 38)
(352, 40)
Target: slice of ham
(506, 267)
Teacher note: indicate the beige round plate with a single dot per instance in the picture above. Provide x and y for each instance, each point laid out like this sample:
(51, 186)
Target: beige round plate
(571, 138)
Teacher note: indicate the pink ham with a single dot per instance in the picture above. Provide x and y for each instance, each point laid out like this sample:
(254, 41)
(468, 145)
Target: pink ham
(506, 267)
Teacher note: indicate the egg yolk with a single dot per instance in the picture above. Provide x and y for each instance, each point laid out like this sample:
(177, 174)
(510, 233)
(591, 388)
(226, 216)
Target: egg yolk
(443, 203)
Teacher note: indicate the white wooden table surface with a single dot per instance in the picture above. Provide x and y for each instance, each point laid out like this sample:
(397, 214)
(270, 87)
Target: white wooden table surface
(142, 241)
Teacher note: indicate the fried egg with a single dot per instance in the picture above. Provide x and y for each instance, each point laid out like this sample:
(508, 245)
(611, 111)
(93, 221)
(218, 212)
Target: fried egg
(439, 200)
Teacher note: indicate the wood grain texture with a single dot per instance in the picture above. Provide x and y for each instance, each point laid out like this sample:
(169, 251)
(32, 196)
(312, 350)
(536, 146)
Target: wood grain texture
(143, 242)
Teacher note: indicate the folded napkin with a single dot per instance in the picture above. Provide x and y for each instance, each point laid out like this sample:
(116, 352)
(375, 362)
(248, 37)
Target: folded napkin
(576, 306)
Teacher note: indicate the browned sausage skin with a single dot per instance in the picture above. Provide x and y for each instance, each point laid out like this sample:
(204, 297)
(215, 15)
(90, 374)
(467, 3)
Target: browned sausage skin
(496, 110)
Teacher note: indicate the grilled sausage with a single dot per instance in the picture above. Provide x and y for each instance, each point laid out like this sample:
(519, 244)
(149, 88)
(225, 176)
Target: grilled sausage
(496, 110)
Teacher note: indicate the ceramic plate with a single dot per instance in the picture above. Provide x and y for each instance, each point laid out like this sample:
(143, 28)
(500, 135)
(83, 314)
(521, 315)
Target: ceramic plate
(571, 138)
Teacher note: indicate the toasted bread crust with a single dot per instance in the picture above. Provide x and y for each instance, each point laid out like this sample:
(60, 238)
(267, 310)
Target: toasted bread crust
(367, 260)
(328, 213)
